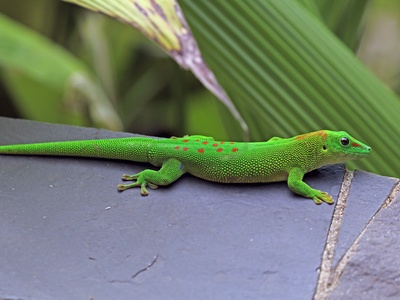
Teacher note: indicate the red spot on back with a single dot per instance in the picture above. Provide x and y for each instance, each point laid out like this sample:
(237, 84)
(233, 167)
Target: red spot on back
(355, 145)
(215, 145)
(231, 143)
(222, 143)
(177, 147)
(205, 143)
(185, 141)
(185, 149)
(235, 149)
(220, 150)
(200, 150)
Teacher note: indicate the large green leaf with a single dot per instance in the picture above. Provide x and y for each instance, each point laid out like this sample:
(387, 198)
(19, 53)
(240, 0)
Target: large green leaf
(287, 73)
(163, 22)
(343, 17)
(27, 57)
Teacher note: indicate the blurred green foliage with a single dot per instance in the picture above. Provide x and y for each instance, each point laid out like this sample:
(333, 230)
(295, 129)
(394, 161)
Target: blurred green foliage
(120, 80)
(281, 86)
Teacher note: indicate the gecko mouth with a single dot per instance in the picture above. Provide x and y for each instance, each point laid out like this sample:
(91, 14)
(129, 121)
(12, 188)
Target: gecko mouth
(366, 152)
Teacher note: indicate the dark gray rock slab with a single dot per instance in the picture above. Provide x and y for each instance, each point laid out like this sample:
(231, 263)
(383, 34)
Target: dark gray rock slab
(373, 271)
(363, 203)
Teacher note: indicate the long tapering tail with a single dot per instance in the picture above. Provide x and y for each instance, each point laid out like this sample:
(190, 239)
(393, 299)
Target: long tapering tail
(135, 148)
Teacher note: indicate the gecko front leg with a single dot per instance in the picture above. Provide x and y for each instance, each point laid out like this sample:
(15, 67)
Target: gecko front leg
(297, 185)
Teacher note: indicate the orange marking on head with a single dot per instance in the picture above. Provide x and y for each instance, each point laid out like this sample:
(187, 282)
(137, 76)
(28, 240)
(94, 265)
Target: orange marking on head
(321, 133)
(205, 143)
(215, 145)
(200, 150)
(220, 150)
(185, 149)
(235, 149)
(177, 147)
(355, 145)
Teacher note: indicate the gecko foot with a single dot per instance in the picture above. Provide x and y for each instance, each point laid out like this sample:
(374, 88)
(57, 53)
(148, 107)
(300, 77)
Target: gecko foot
(139, 182)
(320, 197)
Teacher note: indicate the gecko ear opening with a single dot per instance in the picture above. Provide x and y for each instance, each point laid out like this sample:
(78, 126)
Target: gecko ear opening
(324, 147)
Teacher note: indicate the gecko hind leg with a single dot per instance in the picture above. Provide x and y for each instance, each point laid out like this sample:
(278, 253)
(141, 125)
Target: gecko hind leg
(142, 184)
(170, 171)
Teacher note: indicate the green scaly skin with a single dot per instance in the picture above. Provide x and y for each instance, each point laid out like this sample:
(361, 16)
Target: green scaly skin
(279, 159)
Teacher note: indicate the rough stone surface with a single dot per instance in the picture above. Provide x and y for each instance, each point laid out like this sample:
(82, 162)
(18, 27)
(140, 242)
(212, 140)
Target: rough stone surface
(363, 202)
(373, 271)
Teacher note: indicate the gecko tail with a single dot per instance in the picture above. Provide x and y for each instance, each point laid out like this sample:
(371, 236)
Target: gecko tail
(133, 148)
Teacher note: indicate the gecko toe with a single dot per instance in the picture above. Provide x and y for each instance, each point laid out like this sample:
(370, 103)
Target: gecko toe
(322, 197)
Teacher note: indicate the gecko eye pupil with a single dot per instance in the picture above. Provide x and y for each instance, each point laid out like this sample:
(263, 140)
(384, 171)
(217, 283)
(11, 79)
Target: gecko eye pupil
(344, 141)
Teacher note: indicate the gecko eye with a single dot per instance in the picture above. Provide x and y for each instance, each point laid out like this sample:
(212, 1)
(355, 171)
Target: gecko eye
(344, 141)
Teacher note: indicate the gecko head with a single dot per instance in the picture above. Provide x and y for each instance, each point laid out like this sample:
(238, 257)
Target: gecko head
(340, 146)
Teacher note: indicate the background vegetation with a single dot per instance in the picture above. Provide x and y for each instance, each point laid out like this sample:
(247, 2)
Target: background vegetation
(289, 67)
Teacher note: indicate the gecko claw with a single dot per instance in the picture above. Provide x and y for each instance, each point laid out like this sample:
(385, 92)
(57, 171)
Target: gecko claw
(317, 201)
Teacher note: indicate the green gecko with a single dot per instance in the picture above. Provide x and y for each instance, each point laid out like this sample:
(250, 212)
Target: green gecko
(278, 159)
